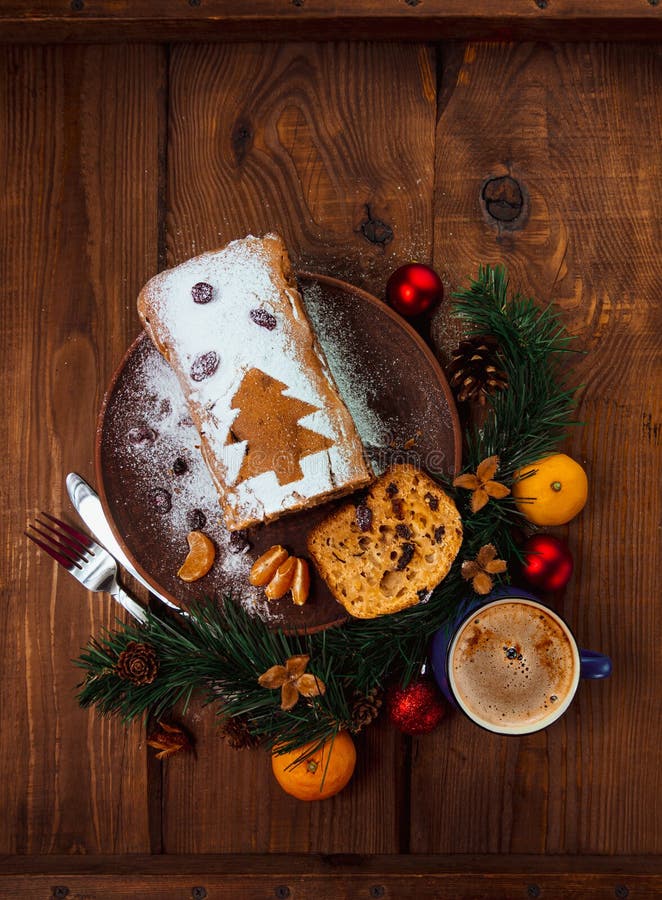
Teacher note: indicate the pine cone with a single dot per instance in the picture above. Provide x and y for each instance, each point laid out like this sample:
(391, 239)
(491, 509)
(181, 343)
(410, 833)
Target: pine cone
(138, 663)
(237, 734)
(365, 709)
(473, 371)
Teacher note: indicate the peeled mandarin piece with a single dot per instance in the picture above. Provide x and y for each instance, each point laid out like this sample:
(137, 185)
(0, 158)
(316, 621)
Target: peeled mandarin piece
(266, 566)
(282, 580)
(300, 582)
(200, 557)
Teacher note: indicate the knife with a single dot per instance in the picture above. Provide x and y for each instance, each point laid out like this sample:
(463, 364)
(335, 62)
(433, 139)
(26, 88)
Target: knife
(87, 504)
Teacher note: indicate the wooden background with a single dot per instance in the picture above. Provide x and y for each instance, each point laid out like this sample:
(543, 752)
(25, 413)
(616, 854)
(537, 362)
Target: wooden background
(118, 160)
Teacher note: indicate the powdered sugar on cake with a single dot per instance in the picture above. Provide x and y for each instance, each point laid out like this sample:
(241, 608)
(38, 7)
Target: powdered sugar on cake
(244, 318)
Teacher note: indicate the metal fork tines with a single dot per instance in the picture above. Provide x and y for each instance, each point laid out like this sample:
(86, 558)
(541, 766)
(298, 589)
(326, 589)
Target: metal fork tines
(84, 558)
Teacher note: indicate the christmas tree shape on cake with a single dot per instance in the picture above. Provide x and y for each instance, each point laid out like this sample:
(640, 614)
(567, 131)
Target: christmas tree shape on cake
(269, 422)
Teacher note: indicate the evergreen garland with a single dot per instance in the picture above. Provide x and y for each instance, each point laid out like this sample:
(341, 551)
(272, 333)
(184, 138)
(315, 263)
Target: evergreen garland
(221, 650)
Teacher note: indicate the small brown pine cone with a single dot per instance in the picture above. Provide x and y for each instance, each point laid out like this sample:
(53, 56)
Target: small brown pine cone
(236, 733)
(365, 709)
(474, 372)
(138, 663)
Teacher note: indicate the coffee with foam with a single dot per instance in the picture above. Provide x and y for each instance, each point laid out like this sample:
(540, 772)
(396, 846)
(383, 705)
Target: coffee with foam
(514, 666)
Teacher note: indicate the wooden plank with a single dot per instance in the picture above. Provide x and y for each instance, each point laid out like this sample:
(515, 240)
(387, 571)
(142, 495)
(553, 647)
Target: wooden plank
(79, 141)
(301, 139)
(311, 876)
(578, 127)
(105, 20)
(316, 864)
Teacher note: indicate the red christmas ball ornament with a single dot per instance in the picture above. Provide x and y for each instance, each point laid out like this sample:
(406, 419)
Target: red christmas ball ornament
(417, 708)
(547, 562)
(414, 289)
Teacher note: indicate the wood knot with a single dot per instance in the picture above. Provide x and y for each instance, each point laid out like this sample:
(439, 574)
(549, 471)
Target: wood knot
(242, 140)
(503, 198)
(375, 230)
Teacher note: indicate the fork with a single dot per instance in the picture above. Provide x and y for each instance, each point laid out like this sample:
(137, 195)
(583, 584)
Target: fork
(86, 560)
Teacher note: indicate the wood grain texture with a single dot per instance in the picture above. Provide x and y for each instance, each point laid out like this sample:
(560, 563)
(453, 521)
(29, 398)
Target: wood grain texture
(303, 140)
(579, 128)
(78, 211)
(223, 20)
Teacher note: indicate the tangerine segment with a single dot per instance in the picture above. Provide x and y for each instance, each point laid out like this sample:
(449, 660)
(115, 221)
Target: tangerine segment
(322, 774)
(200, 556)
(300, 582)
(282, 580)
(554, 493)
(265, 567)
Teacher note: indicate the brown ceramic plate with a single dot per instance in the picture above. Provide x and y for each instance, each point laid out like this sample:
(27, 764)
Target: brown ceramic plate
(154, 484)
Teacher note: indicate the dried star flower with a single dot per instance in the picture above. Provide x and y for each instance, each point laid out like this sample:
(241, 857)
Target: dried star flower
(480, 570)
(293, 680)
(168, 740)
(482, 484)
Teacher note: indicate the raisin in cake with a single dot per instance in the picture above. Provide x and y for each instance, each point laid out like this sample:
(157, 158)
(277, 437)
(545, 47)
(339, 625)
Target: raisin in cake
(390, 549)
(274, 431)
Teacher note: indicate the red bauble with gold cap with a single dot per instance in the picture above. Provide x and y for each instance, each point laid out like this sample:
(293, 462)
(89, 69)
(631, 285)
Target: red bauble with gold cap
(414, 289)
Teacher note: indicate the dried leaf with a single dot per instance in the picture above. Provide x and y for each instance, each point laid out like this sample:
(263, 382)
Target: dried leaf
(289, 695)
(468, 482)
(310, 686)
(478, 499)
(495, 566)
(470, 569)
(487, 469)
(296, 665)
(496, 490)
(274, 677)
(486, 554)
(482, 583)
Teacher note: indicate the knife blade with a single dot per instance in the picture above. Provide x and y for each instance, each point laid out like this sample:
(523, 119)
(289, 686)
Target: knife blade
(87, 504)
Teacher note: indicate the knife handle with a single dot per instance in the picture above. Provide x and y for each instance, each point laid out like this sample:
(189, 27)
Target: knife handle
(129, 604)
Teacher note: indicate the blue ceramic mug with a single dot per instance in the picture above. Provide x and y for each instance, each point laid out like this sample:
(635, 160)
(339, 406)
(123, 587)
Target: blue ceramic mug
(511, 663)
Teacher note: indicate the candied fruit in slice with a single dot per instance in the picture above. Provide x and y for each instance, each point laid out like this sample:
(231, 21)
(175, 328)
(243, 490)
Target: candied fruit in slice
(204, 365)
(263, 318)
(406, 556)
(202, 292)
(364, 517)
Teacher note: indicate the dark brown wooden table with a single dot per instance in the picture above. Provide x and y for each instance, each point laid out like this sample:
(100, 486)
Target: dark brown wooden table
(128, 143)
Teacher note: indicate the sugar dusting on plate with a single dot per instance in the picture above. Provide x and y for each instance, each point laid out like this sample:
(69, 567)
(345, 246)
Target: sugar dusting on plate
(162, 448)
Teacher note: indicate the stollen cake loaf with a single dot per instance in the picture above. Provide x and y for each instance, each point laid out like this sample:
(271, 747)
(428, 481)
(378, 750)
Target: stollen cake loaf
(274, 431)
(388, 550)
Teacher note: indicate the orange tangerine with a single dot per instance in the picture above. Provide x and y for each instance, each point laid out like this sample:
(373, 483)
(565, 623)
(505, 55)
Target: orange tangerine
(322, 774)
(555, 491)
(200, 556)
(282, 580)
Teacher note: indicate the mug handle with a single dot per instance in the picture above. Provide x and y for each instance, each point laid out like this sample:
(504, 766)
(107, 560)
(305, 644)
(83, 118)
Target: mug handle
(594, 664)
